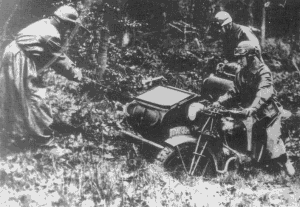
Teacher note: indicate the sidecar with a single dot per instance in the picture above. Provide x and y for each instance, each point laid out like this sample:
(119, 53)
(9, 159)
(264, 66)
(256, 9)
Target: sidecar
(159, 117)
(160, 113)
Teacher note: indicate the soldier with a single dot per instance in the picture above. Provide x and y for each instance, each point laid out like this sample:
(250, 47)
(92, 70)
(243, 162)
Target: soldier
(254, 90)
(24, 114)
(233, 34)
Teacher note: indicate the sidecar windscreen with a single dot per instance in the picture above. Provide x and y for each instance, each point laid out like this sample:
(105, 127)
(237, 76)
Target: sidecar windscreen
(165, 97)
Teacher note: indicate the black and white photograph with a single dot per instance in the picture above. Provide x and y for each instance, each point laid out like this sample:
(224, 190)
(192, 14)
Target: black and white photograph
(149, 103)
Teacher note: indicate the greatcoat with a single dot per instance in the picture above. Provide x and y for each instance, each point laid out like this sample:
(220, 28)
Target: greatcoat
(254, 88)
(23, 111)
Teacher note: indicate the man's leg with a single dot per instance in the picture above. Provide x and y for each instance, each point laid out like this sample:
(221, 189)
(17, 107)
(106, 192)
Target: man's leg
(276, 148)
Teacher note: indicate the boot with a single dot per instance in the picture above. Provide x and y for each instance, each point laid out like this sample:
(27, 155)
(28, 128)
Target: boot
(289, 168)
(286, 164)
(64, 128)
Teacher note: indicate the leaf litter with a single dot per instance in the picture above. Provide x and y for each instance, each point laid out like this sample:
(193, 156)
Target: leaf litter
(74, 174)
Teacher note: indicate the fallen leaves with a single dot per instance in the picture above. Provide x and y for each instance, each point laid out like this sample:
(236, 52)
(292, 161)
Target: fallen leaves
(59, 152)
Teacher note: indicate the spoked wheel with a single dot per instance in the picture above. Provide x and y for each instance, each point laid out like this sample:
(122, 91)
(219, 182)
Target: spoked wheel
(178, 161)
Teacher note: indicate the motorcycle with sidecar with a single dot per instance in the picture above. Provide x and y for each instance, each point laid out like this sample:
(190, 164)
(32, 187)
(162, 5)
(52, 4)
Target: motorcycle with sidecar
(183, 134)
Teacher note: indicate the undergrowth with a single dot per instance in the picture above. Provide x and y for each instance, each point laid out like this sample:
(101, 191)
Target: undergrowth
(93, 168)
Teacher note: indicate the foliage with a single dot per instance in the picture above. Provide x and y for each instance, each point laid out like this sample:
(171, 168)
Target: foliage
(287, 85)
(85, 177)
(91, 168)
(277, 53)
(288, 90)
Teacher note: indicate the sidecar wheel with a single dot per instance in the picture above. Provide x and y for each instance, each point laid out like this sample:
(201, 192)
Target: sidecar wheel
(170, 159)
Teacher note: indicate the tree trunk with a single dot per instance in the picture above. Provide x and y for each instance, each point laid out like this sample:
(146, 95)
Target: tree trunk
(297, 24)
(102, 56)
(250, 12)
(103, 47)
(263, 26)
(3, 36)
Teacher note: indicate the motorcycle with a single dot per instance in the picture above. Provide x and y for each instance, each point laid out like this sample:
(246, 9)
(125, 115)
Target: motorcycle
(184, 135)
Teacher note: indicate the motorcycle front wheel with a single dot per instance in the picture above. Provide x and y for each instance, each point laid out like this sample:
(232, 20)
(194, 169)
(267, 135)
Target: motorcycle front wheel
(181, 162)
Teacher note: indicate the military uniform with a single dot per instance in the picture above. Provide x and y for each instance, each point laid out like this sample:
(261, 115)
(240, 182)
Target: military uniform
(254, 89)
(23, 110)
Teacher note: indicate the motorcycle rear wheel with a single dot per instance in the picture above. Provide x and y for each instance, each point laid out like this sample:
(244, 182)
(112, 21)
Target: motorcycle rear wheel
(177, 160)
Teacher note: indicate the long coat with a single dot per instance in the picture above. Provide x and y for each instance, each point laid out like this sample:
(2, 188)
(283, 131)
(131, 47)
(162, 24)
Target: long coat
(23, 111)
(255, 89)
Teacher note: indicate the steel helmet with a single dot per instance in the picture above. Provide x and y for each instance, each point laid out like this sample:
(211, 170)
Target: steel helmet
(69, 14)
(223, 18)
(246, 48)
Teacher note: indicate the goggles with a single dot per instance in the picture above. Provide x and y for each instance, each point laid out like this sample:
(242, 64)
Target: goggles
(240, 51)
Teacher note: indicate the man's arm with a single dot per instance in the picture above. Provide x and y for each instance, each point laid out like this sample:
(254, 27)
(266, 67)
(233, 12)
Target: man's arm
(229, 97)
(247, 34)
(265, 89)
(62, 64)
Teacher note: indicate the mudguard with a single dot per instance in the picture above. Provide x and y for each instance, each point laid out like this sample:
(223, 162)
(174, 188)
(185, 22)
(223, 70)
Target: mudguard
(180, 139)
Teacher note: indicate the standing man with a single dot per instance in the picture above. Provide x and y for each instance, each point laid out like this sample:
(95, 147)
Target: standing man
(23, 113)
(254, 90)
(233, 34)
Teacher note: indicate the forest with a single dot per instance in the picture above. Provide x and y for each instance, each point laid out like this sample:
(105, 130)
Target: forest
(130, 43)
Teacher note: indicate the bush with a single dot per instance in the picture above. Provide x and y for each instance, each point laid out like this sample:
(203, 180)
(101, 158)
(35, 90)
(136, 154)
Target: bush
(279, 55)
(276, 53)
(288, 87)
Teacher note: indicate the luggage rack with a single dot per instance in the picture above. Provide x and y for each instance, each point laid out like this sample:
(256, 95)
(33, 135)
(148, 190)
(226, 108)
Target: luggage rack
(165, 97)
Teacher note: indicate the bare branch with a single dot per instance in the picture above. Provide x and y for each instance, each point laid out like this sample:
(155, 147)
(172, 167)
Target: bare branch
(175, 27)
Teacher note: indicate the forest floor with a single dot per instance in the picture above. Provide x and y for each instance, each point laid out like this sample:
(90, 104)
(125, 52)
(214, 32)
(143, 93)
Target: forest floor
(96, 171)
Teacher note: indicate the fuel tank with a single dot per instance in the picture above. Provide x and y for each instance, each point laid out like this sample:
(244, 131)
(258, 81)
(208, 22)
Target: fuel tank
(215, 86)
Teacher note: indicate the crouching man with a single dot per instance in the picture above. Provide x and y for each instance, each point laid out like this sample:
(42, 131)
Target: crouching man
(24, 112)
(254, 91)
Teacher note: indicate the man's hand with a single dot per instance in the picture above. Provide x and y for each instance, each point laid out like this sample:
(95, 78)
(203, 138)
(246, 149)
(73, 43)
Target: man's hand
(216, 104)
(220, 67)
(249, 111)
(77, 74)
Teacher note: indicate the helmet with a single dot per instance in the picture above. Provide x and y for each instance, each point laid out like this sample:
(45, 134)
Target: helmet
(246, 48)
(67, 13)
(223, 18)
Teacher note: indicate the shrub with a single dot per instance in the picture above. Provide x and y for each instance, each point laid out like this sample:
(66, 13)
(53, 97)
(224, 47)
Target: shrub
(279, 55)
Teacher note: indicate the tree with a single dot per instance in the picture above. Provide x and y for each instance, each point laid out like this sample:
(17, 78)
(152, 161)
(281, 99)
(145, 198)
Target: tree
(250, 12)
(263, 24)
(6, 25)
(103, 46)
(110, 10)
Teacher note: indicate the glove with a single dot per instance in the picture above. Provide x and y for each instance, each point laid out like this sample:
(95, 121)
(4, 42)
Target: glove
(77, 74)
(249, 111)
(220, 67)
(216, 104)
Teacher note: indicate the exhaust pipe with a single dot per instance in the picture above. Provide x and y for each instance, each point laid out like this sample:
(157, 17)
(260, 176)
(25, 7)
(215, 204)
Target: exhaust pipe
(141, 139)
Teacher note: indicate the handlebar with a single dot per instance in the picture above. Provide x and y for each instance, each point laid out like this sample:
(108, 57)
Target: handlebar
(221, 112)
(233, 112)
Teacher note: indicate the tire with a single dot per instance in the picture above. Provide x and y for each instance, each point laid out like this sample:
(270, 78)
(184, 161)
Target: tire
(170, 159)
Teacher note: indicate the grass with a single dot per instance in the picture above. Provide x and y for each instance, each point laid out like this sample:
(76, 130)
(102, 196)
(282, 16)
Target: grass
(85, 172)
(88, 179)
